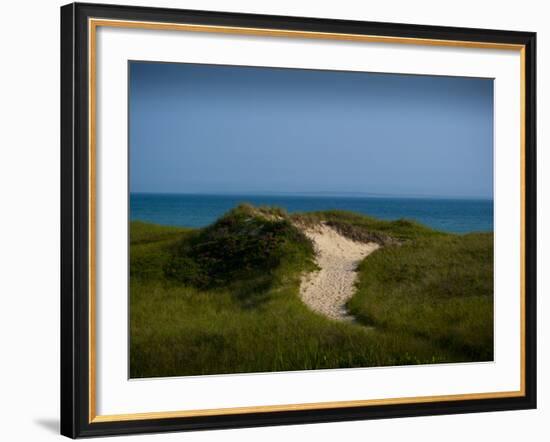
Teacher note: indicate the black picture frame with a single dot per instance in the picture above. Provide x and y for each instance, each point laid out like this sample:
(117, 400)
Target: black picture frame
(75, 219)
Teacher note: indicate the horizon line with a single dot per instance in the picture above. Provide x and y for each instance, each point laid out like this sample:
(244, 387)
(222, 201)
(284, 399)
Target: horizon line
(318, 194)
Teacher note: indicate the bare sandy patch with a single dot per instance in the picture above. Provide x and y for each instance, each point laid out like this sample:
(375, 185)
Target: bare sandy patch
(327, 290)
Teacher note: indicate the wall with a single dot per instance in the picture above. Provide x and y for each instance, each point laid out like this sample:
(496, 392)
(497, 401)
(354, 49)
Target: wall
(29, 220)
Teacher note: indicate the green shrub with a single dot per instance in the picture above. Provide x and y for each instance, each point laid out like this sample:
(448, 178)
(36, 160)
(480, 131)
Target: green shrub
(244, 244)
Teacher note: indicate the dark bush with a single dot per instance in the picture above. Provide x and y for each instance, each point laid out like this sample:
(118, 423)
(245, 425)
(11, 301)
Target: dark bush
(246, 243)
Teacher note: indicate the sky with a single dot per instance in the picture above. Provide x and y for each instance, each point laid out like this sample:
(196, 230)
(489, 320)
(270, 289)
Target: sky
(232, 129)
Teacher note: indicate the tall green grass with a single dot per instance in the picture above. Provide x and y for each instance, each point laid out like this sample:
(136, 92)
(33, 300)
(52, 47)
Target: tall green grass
(439, 289)
(224, 299)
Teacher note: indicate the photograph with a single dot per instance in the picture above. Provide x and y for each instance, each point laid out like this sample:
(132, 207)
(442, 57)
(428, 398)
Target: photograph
(280, 218)
(285, 219)
(279, 221)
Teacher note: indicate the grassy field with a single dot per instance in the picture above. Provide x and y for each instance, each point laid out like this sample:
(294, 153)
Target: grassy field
(224, 299)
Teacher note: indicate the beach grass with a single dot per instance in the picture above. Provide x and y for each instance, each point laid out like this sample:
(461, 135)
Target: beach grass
(225, 298)
(438, 288)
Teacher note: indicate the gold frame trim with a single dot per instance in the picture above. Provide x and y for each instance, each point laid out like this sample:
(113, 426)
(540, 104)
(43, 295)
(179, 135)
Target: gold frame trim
(93, 24)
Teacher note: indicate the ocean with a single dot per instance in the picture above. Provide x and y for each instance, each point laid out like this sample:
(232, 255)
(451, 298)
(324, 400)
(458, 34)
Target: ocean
(450, 215)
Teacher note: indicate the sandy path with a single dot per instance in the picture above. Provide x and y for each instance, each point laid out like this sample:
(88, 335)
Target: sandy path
(326, 291)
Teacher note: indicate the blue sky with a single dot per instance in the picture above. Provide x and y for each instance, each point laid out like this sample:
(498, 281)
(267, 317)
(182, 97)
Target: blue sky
(228, 129)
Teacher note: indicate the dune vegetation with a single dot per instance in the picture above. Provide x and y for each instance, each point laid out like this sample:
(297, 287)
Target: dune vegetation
(225, 298)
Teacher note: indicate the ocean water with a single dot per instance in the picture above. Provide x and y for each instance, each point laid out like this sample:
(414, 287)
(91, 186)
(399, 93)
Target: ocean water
(451, 215)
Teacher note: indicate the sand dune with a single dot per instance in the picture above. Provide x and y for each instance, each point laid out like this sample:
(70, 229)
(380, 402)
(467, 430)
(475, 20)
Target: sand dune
(326, 291)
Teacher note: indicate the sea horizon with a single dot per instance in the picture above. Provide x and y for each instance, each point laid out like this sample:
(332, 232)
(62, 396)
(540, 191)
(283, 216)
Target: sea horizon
(450, 214)
(320, 194)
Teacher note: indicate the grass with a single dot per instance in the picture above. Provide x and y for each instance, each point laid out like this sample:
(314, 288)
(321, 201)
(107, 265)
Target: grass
(224, 299)
(366, 228)
(438, 288)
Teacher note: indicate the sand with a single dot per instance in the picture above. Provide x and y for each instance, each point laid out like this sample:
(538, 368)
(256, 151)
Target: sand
(326, 291)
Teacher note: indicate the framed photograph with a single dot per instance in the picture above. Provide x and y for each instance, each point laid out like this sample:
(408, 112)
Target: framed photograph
(274, 220)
